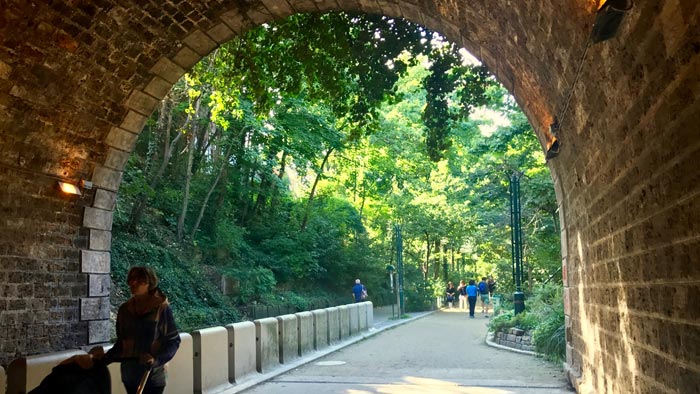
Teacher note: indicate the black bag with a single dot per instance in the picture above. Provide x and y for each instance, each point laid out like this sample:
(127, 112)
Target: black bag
(73, 379)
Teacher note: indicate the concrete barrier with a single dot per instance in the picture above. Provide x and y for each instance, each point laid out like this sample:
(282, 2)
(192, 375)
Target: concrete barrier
(289, 338)
(180, 368)
(320, 319)
(354, 312)
(241, 352)
(210, 357)
(370, 314)
(362, 312)
(305, 327)
(115, 375)
(3, 380)
(344, 321)
(267, 351)
(333, 325)
(25, 374)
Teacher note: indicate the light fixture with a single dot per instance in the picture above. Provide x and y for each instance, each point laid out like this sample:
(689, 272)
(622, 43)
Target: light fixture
(553, 143)
(608, 19)
(69, 188)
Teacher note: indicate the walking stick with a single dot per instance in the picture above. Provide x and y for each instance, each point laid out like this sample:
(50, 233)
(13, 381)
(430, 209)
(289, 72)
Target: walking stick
(144, 379)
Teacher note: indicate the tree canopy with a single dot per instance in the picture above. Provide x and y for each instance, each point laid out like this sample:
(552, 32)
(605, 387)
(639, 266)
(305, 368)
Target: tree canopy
(281, 163)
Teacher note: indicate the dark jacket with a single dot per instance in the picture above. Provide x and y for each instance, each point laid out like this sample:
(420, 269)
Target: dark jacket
(145, 327)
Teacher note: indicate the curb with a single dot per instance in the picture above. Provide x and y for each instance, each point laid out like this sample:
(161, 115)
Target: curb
(255, 380)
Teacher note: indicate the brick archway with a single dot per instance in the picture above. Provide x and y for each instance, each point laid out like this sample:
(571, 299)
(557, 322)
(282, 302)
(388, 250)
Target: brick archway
(79, 79)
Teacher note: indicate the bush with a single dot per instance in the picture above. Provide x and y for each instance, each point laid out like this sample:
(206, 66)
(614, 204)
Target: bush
(549, 336)
(543, 317)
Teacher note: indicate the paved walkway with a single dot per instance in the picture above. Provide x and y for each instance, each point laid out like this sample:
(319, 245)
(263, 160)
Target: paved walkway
(441, 352)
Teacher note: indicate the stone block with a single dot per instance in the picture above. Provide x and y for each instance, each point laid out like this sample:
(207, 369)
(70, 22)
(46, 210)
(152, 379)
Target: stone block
(158, 87)
(99, 240)
(94, 308)
(187, 57)
(235, 20)
(142, 102)
(95, 218)
(99, 331)
(105, 199)
(134, 121)
(259, 14)
(305, 6)
(200, 42)
(121, 139)
(221, 33)
(116, 159)
(94, 262)
(279, 9)
(106, 178)
(99, 285)
(168, 70)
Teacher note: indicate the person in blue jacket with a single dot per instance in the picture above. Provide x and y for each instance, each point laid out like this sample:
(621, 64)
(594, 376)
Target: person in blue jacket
(484, 296)
(146, 333)
(472, 291)
(359, 291)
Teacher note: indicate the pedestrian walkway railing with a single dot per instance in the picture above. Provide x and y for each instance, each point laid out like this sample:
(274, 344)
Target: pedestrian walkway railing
(215, 359)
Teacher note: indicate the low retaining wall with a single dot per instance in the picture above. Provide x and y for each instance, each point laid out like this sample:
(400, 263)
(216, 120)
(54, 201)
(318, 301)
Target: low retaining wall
(516, 339)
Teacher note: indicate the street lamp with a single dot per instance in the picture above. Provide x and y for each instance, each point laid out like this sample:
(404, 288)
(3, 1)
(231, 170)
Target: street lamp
(516, 237)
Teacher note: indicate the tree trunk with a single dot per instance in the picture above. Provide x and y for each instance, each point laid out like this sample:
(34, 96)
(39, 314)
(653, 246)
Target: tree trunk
(188, 170)
(142, 199)
(426, 264)
(224, 163)
(313, 189)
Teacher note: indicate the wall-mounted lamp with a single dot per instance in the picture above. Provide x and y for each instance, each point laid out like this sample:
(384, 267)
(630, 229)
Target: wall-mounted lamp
(608, 19)
(69, 188)
(553, 143)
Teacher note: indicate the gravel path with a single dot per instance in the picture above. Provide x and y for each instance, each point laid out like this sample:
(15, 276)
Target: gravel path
(444, 352)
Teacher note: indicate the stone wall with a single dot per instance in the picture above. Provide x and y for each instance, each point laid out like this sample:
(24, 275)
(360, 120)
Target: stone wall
(516, 339)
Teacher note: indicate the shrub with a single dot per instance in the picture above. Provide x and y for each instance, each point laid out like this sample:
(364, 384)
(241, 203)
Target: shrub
(549, 336)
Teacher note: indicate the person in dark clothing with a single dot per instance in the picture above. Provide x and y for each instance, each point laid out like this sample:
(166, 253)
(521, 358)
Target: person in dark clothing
(147, 337)
(359, 291)
(471, 291)
(450, 292)
(484, 295)
(77, 375)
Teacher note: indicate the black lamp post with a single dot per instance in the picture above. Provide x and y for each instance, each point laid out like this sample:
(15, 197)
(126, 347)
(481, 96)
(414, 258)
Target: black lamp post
(399, 265)
(516, 237)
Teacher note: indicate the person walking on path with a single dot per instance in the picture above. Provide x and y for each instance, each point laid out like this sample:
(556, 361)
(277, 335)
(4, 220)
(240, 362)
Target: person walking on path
(359, 291)
(147, 337)
(484, 295)
(450, 292)
(462, 290)
(471, 291)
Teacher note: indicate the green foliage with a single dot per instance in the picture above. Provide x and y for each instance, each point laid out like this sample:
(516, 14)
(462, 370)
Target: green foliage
(289, 154)
(549, 336)
(196, 302)
(544, 318)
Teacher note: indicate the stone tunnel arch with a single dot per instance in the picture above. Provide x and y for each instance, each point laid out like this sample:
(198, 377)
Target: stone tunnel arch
(79, 79)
